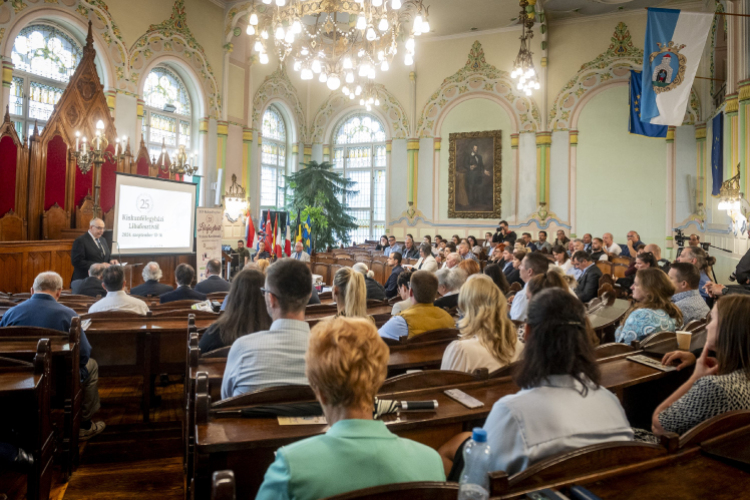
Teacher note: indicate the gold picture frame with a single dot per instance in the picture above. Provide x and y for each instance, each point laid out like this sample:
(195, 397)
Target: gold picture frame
(475, 175)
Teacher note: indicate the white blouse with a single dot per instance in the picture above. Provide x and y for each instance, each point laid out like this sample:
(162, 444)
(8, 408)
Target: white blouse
(469, 355)
(399, 307)
(566, 267)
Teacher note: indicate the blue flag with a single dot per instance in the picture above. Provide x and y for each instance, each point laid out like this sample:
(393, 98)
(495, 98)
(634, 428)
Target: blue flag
(306, 234)
(636, 125)
(717, 152)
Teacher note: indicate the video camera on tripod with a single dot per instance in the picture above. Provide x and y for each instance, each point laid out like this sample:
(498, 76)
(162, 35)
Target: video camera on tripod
(680, 238)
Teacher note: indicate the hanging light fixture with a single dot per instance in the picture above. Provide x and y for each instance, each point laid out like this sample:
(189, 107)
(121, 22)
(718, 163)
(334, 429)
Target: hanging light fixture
(523, 67)
(731, 197)
(337, 37)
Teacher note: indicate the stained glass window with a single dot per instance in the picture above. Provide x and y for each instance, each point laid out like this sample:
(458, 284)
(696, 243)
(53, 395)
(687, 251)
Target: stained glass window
(272, 159)
(44, 59)
(359, 151)
(164, 90)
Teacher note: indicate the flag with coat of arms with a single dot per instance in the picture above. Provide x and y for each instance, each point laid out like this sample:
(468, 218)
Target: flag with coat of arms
(306, 235)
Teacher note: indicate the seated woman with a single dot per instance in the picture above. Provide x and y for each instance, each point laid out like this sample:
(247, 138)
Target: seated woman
(346, 363)
(562, 260)
(245, 312)
(561, 405)
(382, 244)
(719, 384)
(403, 283)
(375, 290)
(644, 260)
(654, 310)
(350, 294)
(497, 276)
(488, 337)
(470, 267)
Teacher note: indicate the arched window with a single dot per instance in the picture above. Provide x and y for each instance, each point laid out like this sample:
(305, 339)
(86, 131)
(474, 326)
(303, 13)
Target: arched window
(45, 57)
(359, 152)
(273, 159)
(168, 113)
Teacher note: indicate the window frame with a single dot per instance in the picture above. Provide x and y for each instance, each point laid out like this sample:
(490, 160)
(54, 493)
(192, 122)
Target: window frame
(281, 169)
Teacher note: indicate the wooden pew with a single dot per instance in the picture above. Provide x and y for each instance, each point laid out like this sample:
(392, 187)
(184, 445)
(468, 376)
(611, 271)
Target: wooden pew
(26, 388)
(222, 485)
(427, 490)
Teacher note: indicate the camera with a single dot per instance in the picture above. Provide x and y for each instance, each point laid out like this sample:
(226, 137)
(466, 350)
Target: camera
(680, 238)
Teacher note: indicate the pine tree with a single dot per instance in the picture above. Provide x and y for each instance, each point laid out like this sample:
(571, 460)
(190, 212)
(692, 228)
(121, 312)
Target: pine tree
(317, 191)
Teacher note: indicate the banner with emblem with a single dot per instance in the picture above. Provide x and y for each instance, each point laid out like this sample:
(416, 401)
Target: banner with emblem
(635, 125)
(674, 44)
(209, 231)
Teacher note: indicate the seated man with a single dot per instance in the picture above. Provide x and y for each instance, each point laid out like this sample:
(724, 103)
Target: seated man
(261, 253)
(213, 282)
(451, 261)
(531, 265)
(597, 250)
(184, 274)
(116, 299)
(42, 310)
(588, 282)
(392, 247)
(686, 278)
(543, 245)
(610, 246)
(422, 316)
(449, 284)
(527, 243)
(151, 286)
(299, 252)
(410, 250)
(587, 242)
(391, 289)
(346, 365)
(655, 249)
(634, 241)
(277, 356)
(91, 286)
(464, 251)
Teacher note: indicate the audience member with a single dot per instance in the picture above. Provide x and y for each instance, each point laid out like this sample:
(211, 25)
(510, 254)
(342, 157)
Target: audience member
(410, 250)
(391, 287)
(213, 282)
(245, 312)
(464, 251)
(561, 406)
(514, 276)
(653, 311)
(451, 261)
(634, 240)
(588, 281)
(497, 277)
(116, 299)
(449, 284)
(151, 286)
(542, 244)
(718, 384)
(422, 316)
(694, 241)
(497, 257)
(699, 258)
(597, 250)
(578, 246)
(644, 260)
(262, 265)
(587, 240)
(532, 264)
(487, 243)
(375, 290)
(655, 249)
(299, 252)
(455, 239)
(184, 274)
(526, 239)
(504, 234)
(350, 294)
(474, 244)
(403, 283)
(262, 253)
(276, 356)
(561, 239)
(686, 279)
(562, 260)
(42, 310)
(392, 247)
(426, 261)
(91, 286)
(610, 246)
(346, 364)
(471, 267)
(382, 244)
(507, 261)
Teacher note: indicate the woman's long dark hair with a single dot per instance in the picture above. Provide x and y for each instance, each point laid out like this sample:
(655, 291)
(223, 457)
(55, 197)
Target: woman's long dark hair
(494, 272)
(557, 343)
(246, 308)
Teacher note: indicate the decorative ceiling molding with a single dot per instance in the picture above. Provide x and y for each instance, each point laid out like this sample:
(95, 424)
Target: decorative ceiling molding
(278, 87)
(478, 77)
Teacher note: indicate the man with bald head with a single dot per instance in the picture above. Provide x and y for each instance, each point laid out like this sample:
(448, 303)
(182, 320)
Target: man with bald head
(610, 246)
(89, 249)
(634, 241)
(664, 264)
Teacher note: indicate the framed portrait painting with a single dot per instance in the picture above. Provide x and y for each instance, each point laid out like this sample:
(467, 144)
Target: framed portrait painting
(474, 175)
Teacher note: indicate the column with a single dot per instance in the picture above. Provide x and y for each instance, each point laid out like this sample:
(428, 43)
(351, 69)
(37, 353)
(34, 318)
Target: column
(543, 143)
(222, 131)
(744, 121)
(731, 135)
(295, 156)
(572, 159)
(412, 159)
(388, 144)
(247, 155)
(437, 143)
(7, 81)
(139, 120)
(700, 185)
(111, 96)
(326, 152)
(307, 153)
(514, 148)
(671, 169)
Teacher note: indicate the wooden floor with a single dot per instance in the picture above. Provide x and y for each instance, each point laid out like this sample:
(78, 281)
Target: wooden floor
(130, 459)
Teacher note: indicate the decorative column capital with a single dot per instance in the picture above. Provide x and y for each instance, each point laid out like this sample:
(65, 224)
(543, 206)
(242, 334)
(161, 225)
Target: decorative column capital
(438, 143)
(139, 108)
(732, 103)
(573, 137)
(412, 145)
(543, 138)
(247, 134)
(7, 73)
(308, 150)
(388, 145)
(670, 134)
(744, 90)
(295, 149)
(700, 131)
(514, 141)
(222, 128)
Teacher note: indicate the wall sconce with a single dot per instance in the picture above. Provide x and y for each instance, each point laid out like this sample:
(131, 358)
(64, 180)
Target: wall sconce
(731, 197)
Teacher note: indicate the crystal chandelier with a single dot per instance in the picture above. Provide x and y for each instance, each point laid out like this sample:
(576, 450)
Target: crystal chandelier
(731, 197)
(523, 67)
(366, 93)
(337, 40)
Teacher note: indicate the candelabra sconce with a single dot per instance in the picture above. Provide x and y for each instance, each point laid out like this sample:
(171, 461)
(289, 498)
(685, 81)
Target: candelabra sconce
(181, 165)
(93, 156)
(235, 202)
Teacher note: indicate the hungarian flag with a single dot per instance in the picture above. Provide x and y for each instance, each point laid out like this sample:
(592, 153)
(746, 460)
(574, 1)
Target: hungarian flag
(269, 234)
(250, 235)
(287, 243)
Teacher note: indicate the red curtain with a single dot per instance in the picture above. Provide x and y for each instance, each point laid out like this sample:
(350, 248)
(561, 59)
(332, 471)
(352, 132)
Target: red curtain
(142, 166)
(8, 164)
(107, 194)
(54, 183)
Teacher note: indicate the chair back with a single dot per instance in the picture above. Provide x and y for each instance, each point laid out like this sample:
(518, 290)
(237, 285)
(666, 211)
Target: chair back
(505, 371)
(655, 338)
(271, 395)
(177, 304)
(425, 490)
(431, 337)
(324, 270)
(184, 313)
(217, 296)
(222, 485)
(221, 352)
(612, 349)
(112, 315)
(719, 425)
(378, 269)
(515, 287)
(695, 325)
(427, 379)
(605, 267)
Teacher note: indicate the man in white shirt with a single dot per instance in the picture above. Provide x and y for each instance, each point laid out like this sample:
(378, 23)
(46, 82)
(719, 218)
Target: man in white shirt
(299, 253)
(531, 265)
(116, 299)
(610, 246)
(426, 261)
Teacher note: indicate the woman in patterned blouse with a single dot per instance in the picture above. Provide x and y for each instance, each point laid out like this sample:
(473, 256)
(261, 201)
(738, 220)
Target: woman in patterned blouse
(654, 310)
(719, 384)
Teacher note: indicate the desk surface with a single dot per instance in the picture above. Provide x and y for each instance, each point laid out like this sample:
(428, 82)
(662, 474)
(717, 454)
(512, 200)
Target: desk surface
(59, 346)
(12, 381)
(608, 315)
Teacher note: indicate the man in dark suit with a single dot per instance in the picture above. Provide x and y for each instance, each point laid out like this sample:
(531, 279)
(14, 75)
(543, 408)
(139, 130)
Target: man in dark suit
(91, 286)
(151, 286)
(588, 282)
(213, 282)
(184, 275)
(88, 249)
(391, 287)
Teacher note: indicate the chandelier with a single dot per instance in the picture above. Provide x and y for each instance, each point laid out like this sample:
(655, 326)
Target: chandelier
(181, 165)
(731, 197)
(523, 67)
(364, 91)
(337, 40)
(235, 201)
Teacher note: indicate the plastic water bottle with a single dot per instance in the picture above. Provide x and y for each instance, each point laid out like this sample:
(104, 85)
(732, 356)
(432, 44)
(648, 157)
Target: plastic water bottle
(475, 483)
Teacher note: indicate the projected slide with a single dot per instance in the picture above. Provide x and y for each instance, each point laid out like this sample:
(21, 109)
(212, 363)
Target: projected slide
(153, 216)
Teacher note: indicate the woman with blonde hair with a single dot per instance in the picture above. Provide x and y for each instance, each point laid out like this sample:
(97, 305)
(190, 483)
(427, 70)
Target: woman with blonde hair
(654, 310)
(350, 294)
(262, 264)
(488, 337)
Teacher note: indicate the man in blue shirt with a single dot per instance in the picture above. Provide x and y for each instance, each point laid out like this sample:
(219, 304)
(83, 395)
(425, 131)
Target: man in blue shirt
(634, 241)
(393, 247)
(43, 311)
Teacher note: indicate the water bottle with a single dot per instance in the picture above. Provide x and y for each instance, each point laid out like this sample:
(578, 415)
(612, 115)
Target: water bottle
(475, 483)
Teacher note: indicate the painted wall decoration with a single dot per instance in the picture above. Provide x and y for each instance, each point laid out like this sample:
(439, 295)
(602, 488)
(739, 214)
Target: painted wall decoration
(479, 77)
(475, 175)
(277, 86)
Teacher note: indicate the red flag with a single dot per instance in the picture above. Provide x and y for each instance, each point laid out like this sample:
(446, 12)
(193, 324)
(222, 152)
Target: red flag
(276, 238)
(250, 235)
(287, 243)
(269, 234)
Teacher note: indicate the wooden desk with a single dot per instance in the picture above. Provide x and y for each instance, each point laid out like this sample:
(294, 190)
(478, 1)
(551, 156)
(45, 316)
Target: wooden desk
(604, 320)
(372, 311)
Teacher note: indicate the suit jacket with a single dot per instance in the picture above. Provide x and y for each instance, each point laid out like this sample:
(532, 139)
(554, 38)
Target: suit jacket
(182, 293)
(304, 256)
(375, 290)
(588, 284)
(429, 264)
(90, 286)
(85, 253)
(514, 276)
(213, 284)
(447, 302)
(151, 288)
(391, 286)
(410, 254)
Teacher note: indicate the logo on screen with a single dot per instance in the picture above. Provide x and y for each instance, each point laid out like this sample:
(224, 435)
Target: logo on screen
(144, 203)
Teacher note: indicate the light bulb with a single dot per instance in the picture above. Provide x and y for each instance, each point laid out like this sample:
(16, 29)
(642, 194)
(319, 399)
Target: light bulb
(368, 107)
(297, 65)
(410, 45)
(361, 23)
(264, 34)
(345, 90)
(395, 4)
(514, 73)
(323, 77)
(351, 96)
(100, 125)
(384, 66)
(530, 72)
(254, 19)
(316, 66)
(250, 30)
(350, 77)
(370, 100)
(279, 32)
(361, 52)
(358, 90)
(381, 55)
(333, 82)
(258, 46)
(377, 102)
(364, 68)
(267, 2)
(519, 86)
(528, 91)
(408, 60)
(361, 102)
(289, 38)
(371, 34)
(425, 27)
(377, 3)
(537, 86)
(418, 21)
(297, 26)
(304, 51)
(383, 25)
(347, 63)
(371, 74)
(306, 74)
(263, 58)
(280, 3)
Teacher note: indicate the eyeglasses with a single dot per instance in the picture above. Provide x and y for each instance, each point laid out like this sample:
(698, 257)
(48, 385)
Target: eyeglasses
(266, 290)
(101, 228)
